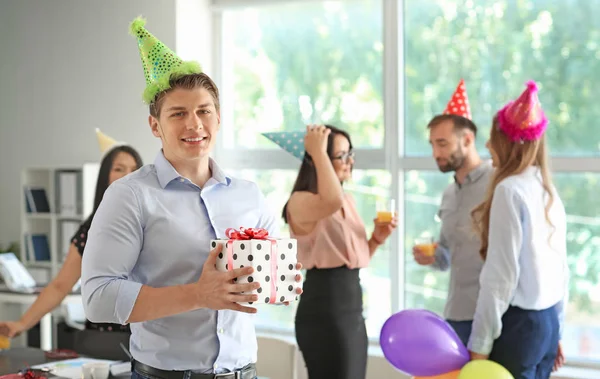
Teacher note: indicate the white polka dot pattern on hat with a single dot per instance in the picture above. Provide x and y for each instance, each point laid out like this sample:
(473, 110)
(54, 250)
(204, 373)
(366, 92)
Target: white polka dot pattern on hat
(459, 103)
(292, 142)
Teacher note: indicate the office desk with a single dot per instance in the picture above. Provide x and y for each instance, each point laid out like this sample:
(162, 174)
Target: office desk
(46, 329)
(13, 360)
(16, 359)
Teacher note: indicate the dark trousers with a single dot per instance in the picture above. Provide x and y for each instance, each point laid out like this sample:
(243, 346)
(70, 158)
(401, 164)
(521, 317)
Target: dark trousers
(330, 328)
(528, 343)
(463, 329)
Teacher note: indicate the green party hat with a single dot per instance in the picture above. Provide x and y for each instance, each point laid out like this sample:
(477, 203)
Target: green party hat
(160, 63)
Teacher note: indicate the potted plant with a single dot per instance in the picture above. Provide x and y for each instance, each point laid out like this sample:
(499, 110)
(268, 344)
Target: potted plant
(13, 247)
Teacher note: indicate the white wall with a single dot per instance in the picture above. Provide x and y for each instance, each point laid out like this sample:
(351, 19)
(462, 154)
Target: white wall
(377, 368)
(274, 360)
(67, 67)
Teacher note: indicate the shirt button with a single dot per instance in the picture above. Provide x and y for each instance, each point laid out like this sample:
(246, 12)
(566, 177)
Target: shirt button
(221, 331)
(181, 180)
(216, 366)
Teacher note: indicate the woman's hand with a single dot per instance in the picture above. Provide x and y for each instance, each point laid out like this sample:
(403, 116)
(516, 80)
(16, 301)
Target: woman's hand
(315, 140)
(384, 229)
(559, 361)
(11, 329)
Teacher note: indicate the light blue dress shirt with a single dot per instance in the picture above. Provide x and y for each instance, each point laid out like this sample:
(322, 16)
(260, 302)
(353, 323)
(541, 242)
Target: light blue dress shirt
(154, 227)
(526, 264)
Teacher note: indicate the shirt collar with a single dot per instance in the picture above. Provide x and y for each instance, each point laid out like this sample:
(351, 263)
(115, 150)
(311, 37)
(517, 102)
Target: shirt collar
(475, 173)
(166, 173)
(217, 173)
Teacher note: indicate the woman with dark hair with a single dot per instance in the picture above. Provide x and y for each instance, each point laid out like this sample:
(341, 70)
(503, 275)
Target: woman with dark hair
(333, 247)
(119, 161)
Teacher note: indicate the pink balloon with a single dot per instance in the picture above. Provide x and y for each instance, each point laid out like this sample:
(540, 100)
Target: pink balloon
(421, 343)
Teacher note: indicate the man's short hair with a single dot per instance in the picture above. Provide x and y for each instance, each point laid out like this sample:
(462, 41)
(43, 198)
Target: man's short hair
(460, 123)
(190, 81)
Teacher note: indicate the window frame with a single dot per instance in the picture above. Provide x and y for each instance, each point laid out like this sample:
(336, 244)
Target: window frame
(379, 158)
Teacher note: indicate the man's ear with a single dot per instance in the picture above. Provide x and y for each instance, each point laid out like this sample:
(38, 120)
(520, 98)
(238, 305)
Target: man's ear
(468, 138)
(153, 122)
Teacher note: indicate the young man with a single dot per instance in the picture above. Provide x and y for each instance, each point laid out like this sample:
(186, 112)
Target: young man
(147, 259)
(452, 137)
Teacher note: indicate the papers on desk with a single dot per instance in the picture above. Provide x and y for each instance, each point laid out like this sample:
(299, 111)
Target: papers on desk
(120, 368)
(72, 368)
(19, 279)
(15, 275)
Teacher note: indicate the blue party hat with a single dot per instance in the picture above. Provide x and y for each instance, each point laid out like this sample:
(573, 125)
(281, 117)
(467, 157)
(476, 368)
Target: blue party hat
(292, 142)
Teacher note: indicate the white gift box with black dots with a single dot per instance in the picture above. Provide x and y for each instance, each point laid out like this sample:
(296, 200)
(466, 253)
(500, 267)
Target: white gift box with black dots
(274, 263)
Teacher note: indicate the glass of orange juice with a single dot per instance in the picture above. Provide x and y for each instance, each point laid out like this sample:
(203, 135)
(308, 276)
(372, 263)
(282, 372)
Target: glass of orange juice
(4, 343)
(386, 210)
(426, 245)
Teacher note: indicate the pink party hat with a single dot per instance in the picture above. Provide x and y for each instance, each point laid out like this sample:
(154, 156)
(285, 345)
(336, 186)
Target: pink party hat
(524, 118)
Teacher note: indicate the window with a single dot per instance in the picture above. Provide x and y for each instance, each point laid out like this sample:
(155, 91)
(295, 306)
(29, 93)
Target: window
(578, 192)
(367, 187)
(424, 288)
(288, 63)
(497, 45)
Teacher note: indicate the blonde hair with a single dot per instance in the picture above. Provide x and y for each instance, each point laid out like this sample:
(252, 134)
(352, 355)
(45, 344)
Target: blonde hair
(513, 159)
(190, 81)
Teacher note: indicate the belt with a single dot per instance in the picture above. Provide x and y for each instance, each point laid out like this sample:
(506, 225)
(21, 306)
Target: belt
(248, 372)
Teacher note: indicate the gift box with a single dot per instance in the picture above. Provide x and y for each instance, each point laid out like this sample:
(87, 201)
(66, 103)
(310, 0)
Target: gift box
(274, 262)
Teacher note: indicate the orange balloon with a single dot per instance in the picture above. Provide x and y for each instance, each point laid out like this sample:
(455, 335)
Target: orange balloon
(448, 375)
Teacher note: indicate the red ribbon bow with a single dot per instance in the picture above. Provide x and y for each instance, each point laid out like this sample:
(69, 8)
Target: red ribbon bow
(256, 234)
(30, 374)
(247, 234)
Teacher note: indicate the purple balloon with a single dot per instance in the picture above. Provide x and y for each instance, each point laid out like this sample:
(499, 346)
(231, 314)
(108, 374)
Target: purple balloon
(421, 343)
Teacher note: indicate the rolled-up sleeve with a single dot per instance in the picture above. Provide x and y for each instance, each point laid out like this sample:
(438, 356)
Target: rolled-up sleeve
(114, 243)
(442, 255)
(442, 251)
(500, 273)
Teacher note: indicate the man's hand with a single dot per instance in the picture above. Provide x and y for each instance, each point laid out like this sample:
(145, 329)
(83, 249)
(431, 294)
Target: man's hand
(218, 290)
(422, 259)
